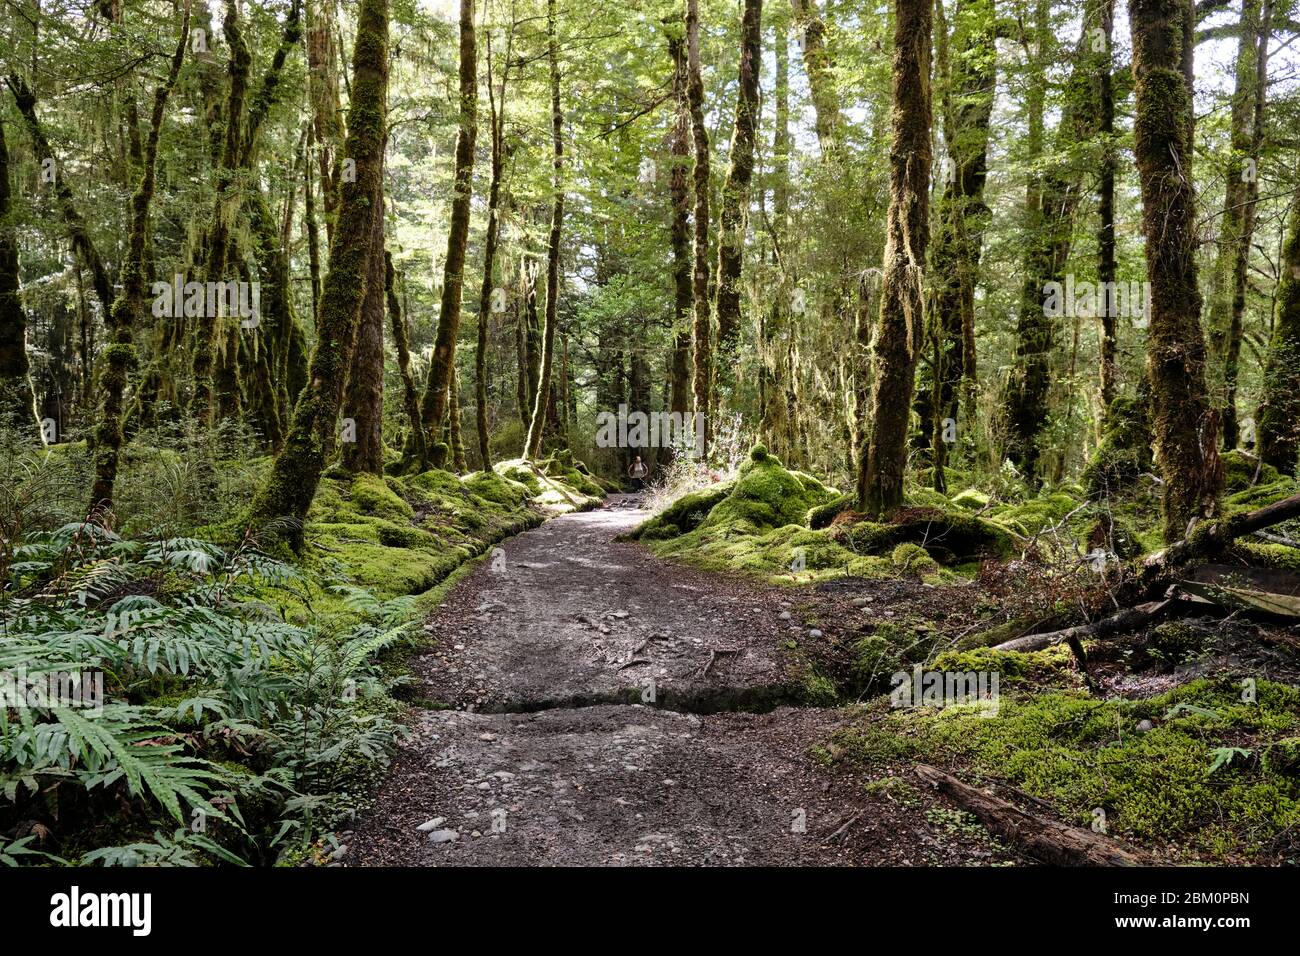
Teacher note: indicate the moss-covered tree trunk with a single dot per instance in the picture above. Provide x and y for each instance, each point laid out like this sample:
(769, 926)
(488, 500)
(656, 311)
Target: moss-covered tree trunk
(17, 397)
(819, 68)
(961, 217)
(215, 363)
(542, 396)
(82, 243)
(1106, 202)
(772, 407)
(1241, 193)
(733, 215)
(120, 355)
(442, 364)
(702, 375)
(679, 195)
(1185, 427)
(323, 93)
(363, 400)
(295, 474)
(1279, 412)
(897, 336)
(401, 345)
(1054, 200)
(497, 122)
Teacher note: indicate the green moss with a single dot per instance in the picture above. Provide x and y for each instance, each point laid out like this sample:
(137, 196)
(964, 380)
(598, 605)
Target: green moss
(913, 559)
(371, 495)
(1079, 754)
(1260, 495)
(972, 499)
(683, 515)
(766, 495)
(822, 515)
(1239, 470)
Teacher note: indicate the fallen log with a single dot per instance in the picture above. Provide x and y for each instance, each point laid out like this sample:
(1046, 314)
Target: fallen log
(1122, 622)
(1044, 839)
(1213, 536)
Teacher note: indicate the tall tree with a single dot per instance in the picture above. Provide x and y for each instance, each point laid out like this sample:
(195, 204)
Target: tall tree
(295, 474)
(363, 399)
(819, 67)
(1106, 200)
(679, 195)
(443, 364)
(497, 121)
(732, 217)
(128, 308)
(1241, 194)
(541, 397)
(962, 217)
(702, 377)
(1185, 427)
(897, 335)
(17, 397)
(1279, 411)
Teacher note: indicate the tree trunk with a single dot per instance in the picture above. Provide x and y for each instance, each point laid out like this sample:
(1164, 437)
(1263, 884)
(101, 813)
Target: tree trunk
(82, 244)
(1054, 199)
(1106, 202)
(363, 400)
(820, 70)
(898, 328)
(120, 354)
(296, 472)
(1279, 412)
(1228, 298)
(533, 446)
(17, 397)
(442, 365)
(401, 344)
(733, 215)
(775, 320)
(323, 92)
(498, 116)
(702, 380)
(680, 233)
(1185, 428)
(962, 218)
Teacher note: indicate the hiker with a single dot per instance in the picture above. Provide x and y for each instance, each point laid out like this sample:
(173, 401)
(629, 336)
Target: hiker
(637, 473)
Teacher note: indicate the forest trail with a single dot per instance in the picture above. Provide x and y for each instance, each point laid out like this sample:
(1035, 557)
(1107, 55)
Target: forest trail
(556, 749)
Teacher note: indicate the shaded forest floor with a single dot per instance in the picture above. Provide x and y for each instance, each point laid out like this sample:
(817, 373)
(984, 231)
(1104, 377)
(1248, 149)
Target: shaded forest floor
(538, 748)
(588, 702)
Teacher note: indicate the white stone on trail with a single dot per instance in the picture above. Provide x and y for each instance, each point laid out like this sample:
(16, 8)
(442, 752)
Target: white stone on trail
(444, 836)
(784, 616)
(433, 824)
(814, 633)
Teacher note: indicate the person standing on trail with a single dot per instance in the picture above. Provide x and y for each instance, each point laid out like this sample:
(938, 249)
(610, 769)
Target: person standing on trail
(637, 473)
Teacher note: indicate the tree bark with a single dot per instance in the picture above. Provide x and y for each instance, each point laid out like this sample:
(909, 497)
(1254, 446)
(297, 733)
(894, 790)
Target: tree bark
(401, 344)
(498, 118)
(702, 377)
(962, 218)
(363, 400)
(896, 340)
(1106, 202)
(17, 397)
(120, 355)
(295, 474)
(536, 427)
(1228, 298)
(442, 365)
(1185, 428)
(679, 194)
(733, 215)
(820, 70)
(1279, 411)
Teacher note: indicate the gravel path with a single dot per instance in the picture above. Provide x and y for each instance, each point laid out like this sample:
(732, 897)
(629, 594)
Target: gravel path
(603, 707)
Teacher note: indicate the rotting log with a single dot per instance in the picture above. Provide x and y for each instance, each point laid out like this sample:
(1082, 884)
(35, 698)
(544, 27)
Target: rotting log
(1050, 841)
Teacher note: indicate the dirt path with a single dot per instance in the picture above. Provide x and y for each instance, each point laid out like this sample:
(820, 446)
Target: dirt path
(605, 707)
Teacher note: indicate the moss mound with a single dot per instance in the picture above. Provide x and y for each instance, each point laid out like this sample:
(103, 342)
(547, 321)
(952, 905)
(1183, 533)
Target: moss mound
(1240, 471)
(1160, 785)
(766, 495)
(683, 515)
